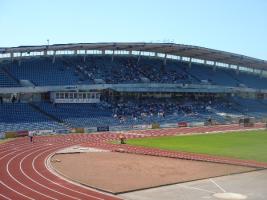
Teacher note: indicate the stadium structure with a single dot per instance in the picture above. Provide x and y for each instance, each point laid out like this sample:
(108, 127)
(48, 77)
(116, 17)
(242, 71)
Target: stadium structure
(92, 87)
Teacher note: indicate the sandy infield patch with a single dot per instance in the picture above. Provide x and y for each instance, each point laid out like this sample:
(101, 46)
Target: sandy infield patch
(121, 172)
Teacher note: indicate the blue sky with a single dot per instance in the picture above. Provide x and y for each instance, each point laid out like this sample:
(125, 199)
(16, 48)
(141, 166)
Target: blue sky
(238, 26)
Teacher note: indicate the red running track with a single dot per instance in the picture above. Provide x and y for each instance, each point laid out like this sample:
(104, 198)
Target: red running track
(24, 174)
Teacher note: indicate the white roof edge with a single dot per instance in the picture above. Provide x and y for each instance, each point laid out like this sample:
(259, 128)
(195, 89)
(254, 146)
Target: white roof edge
(169, 48)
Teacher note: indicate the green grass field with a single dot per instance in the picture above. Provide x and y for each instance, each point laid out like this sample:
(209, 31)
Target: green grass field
(249, 145)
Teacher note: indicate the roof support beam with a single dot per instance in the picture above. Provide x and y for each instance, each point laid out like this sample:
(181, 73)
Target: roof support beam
(214, 66)
(112, 57)
(54, 57)
(237, 69)
(12, 56)
(84, 56)
(190, 63)
(139, 57)
(20, 55)
(165, 59)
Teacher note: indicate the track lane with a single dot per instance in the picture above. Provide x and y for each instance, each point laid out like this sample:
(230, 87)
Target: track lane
(29, 177)
(8, 186)
(26, 187)
(21, 183)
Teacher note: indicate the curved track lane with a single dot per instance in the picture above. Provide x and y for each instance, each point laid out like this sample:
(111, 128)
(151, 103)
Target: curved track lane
(24, 174)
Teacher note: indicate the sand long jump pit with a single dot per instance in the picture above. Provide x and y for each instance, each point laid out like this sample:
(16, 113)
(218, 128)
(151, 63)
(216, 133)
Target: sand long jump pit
(121, 172)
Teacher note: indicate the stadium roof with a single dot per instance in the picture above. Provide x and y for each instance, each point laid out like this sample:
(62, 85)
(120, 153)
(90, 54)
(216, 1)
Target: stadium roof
(165, 48)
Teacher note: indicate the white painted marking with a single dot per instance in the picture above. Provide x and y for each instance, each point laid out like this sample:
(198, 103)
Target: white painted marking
(15, 191)
(12, 149)
(195, 188)
(20, 167)
(1, 182)
(230, 196)
(217, 185)
(9, 173)
(61, 178)
(5, 197)
(42, 184)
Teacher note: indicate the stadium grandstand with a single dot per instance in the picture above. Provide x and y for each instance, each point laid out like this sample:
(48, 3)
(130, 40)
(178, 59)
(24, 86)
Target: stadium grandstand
(122, 86)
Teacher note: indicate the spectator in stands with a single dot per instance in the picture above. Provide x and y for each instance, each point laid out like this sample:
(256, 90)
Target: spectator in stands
(13, 99)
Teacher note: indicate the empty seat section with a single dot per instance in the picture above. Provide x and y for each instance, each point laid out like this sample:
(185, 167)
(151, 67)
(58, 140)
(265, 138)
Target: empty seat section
(21, 116)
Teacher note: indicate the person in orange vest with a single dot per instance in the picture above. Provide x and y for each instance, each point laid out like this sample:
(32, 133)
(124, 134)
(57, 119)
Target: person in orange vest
(122, 139)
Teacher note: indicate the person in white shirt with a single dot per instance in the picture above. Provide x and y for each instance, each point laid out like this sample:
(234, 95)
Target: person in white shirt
(31, 136)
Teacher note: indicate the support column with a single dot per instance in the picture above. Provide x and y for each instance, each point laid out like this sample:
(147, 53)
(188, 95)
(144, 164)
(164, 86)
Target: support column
(165, 59)
(237, 69)
(84, 56)
(20, 55)
(139, 57)
(214, 66)
(54, 57)
(12, 56)
(190, 63)
(112, 57)
(261, 74)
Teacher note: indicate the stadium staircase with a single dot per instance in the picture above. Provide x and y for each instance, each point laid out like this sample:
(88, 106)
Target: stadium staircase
(187, 71)
(138, 68)
(50, 116)
(233, 77)
(236, 105)
(10, 76)
(72, 64)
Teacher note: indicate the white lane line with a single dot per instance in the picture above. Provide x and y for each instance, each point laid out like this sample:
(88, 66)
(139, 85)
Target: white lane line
(9, 173)
(217, 185)
(33, 165)
(20, 167)
(15, 191)
(57, 183)
(195, 188)
(39, 182)
(10, 188)
(11, 149)
(7, 155)
(17, 150)
(5, 197)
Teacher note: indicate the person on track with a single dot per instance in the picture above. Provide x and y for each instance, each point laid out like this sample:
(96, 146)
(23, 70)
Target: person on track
(122, 139)
(31, 136)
